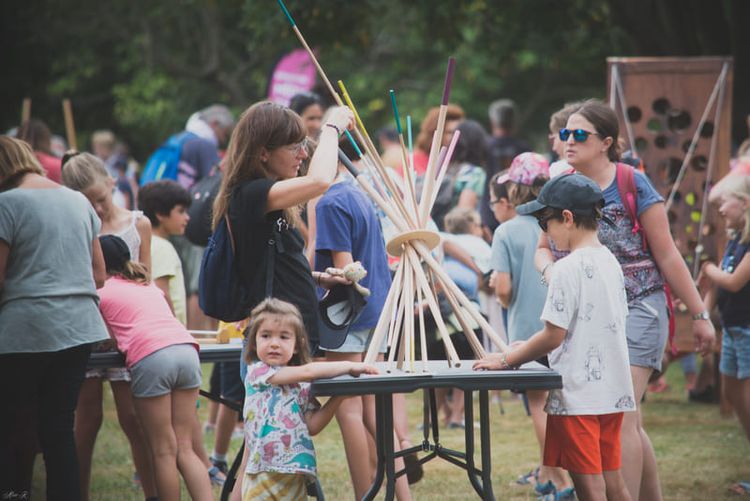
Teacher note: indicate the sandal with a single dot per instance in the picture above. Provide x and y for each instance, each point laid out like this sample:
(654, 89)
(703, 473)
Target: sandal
(740, 488)
(548, 492)
(527, 478)
(568, 494)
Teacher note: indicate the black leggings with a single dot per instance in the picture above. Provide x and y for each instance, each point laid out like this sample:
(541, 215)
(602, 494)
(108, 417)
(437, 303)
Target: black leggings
(39, 392)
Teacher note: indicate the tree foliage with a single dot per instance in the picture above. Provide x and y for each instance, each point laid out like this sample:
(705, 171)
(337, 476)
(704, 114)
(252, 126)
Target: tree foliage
(141, 68)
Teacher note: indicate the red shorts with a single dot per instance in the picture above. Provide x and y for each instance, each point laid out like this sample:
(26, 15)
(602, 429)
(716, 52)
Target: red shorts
(586, 445)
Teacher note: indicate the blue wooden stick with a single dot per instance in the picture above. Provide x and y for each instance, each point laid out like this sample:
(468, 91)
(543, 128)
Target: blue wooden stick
(354, 143)
(395, 112)
(408, 131)
(286, 12)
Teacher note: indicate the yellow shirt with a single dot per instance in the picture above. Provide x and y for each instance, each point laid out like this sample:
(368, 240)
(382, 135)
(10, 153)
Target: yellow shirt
(166, 263)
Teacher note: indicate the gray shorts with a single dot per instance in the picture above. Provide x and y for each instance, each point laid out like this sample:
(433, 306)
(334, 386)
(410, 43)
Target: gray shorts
(647, 330)
(358, 342)
(176, 367)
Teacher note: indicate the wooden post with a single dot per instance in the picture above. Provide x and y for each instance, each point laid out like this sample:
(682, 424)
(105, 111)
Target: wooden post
(70, 130)
(26, 110)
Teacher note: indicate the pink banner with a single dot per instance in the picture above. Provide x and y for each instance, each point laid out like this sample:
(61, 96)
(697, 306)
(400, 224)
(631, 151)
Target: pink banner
(295, 73)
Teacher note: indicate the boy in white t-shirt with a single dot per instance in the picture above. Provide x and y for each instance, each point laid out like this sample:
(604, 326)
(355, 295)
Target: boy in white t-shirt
(584, 335)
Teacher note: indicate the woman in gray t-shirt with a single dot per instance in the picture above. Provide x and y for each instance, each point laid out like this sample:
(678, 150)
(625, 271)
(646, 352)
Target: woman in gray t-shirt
(50, 266)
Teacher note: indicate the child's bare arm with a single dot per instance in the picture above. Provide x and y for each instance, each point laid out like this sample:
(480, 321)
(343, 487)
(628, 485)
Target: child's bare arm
(163, 284)
(503, 288)
(319, 370)
(541, 343)
(319, 419)
(733, 282)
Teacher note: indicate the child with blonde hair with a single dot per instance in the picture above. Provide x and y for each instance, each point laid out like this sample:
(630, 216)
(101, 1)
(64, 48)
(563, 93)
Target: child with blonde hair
(730, 291)
(280, 414)
(86, 173)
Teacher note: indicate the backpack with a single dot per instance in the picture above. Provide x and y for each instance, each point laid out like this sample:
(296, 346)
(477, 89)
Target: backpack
(221, 291)
(626, 188)
(163, 163)
(203, 193)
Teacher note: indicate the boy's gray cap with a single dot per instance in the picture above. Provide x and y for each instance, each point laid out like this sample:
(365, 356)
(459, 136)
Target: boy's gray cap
(574, 192)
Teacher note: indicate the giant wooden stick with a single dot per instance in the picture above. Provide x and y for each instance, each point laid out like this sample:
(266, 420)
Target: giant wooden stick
(367, 143)
(436, 142)
(70, 129)
(405, 161)
(446, 160)
(429, 294)
(422, 334)
(424, 252)
(311, 54)
(385, 317)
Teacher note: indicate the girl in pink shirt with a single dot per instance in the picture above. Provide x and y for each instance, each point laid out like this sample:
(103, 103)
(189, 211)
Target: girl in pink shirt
(163, 360)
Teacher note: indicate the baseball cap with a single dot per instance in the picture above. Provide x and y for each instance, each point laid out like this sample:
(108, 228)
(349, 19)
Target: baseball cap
(574, 192)
(116, 252)
(525, 168)
(338, 310)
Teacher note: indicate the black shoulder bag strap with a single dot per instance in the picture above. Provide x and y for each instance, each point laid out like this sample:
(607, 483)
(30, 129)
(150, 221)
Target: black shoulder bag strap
(274, 245)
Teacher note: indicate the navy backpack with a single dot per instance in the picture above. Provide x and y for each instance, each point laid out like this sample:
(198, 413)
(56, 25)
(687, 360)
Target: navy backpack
(221, 291)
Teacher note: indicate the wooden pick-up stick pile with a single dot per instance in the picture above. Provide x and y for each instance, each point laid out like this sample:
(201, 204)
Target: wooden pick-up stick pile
(418, 276)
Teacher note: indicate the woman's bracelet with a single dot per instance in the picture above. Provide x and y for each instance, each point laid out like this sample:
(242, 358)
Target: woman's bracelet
(334, 127)
(504, 365)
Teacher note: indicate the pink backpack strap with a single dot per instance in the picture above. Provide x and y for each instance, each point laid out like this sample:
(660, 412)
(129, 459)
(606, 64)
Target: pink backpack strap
(629, 196)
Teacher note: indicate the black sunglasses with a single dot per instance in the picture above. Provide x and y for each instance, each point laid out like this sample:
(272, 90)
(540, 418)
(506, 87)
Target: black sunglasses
(543, 220)
(579, 135)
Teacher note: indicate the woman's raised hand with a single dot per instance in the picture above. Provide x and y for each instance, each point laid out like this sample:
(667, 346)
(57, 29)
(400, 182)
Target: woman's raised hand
(341, 118)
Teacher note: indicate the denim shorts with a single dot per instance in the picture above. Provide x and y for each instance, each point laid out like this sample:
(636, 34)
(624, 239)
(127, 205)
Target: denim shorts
(647, 330)
(358, 342)
(735, 352)
(176, 367)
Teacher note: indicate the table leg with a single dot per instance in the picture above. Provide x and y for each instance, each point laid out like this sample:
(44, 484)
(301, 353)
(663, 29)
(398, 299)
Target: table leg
(471, 470)
(484, 422)
(386, 403)
(384, 448)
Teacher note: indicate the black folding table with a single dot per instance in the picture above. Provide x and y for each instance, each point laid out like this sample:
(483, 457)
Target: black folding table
(531, 376)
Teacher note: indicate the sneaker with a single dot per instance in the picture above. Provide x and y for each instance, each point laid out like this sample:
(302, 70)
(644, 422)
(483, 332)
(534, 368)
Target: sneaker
(208, 428)
(220, 464)
(707, 396)
(217, 476)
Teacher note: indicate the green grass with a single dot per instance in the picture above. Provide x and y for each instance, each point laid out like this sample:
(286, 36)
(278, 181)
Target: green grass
(699, 453)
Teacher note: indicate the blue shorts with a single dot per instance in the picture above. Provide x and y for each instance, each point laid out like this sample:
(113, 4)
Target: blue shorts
(359, 342)
(735, 352)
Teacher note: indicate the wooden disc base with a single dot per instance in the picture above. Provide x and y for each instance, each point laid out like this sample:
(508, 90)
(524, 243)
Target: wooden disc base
(395, 245)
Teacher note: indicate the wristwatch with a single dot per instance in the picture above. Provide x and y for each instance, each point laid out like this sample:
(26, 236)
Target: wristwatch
(702, 316)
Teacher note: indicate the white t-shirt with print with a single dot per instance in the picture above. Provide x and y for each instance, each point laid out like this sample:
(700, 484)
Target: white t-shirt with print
(586, 296)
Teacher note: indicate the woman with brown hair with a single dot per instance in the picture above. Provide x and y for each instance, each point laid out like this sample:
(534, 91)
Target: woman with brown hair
(261, 193)
(50, 266)
(591, 148)
(260, 196)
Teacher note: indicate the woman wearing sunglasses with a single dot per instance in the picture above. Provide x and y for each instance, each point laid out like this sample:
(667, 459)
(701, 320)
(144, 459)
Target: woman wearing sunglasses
(591, 148)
